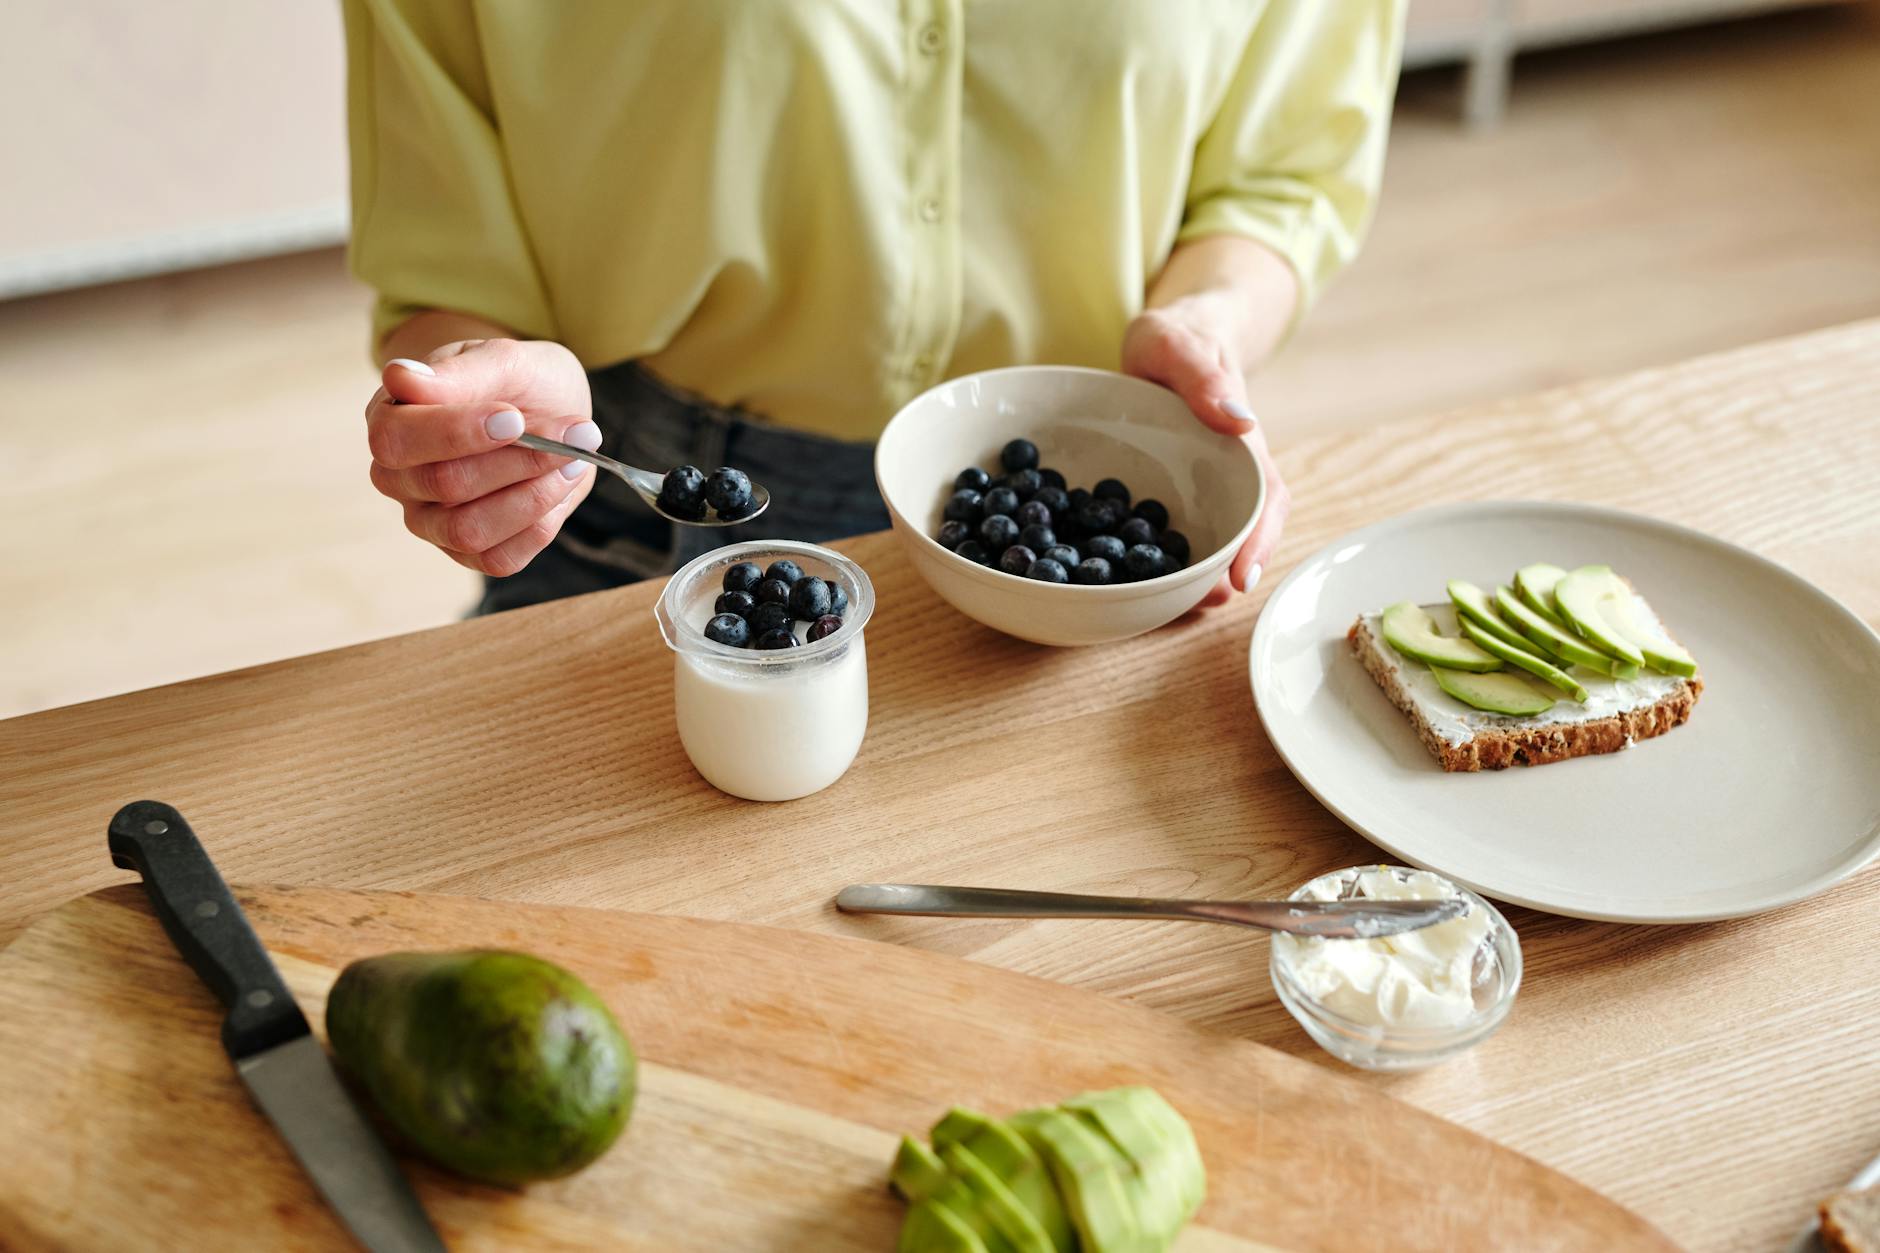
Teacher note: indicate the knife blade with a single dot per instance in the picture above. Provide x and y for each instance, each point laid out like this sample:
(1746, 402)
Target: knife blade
(266, 1036)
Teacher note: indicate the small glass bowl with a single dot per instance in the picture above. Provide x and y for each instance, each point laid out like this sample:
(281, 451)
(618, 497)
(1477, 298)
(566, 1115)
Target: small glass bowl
(1497, 977)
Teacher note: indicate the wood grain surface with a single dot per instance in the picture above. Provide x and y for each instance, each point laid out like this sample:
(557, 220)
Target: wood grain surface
(1710, 1077)
(779, 1067)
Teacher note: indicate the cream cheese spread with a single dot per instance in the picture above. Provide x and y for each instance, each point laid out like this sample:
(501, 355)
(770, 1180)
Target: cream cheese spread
(1418, 979)
(1457, 723)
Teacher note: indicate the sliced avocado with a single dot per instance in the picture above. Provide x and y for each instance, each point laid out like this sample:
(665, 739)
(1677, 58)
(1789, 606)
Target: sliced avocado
(1003, 1210)
(1153, 1109)
(1535, 586)
(958, 1196)
(1528, 659)
(917, 1173)
(957, 1125)
(1568, 648)
(1024, 1174)
(1472, 605)
(931, 1227)
(1089, 1174)
(1149, 1181)
(1163, 1185)
(1412, 632)
(1497, 693)
(1600, 606)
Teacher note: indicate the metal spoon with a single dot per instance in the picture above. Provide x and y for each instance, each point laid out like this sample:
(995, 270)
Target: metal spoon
(1332, 920)
(645, 482)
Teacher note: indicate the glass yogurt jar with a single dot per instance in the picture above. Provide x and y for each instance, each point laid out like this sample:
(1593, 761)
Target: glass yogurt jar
(768, 725)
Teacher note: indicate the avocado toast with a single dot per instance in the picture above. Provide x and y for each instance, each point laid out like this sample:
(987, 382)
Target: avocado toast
(1517, 678)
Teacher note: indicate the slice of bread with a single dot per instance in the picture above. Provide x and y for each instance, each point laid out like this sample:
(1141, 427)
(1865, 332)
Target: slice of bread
(1850, 1221)
(1463, 739)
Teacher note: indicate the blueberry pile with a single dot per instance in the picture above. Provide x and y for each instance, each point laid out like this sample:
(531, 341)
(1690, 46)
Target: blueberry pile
(760, 607)
(1026, 522)
(686, 491)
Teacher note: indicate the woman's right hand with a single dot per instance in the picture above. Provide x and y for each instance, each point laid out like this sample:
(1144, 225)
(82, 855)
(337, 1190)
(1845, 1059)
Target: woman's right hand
(442, 433)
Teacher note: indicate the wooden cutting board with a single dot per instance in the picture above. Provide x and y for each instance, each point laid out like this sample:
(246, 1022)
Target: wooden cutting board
(778, 1067)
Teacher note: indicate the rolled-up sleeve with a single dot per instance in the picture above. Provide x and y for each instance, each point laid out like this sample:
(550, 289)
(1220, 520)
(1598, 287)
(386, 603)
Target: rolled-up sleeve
(1295, 154)
(435, 223)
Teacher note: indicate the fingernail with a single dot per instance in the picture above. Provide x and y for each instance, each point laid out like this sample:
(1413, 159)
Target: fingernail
(574, 469)
(416, 367)
(504, 425)
(1253, 577)
(583, 435)
(1237, 411)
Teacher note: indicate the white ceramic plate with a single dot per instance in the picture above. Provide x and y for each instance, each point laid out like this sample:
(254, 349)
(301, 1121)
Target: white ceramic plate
(1770, 793)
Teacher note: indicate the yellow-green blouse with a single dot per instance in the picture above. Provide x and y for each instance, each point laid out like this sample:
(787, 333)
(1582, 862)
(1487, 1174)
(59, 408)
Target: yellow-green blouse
(816, 209)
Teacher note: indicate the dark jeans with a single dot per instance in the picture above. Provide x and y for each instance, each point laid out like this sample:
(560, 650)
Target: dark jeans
(820, 489)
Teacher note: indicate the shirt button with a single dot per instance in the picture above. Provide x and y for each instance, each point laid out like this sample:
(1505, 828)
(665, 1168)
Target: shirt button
(930, 210)
(932, 38)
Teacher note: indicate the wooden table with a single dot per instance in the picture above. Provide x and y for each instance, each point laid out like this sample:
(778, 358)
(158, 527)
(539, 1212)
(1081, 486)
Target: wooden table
(1718, 1078)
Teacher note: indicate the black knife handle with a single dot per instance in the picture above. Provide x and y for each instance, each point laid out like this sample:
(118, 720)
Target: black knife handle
(207, 926)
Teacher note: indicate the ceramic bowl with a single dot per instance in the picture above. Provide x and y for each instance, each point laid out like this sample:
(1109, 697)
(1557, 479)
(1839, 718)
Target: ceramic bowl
(1089, 425)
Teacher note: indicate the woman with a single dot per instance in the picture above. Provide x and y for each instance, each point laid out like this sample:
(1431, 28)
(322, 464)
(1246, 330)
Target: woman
(746, 232)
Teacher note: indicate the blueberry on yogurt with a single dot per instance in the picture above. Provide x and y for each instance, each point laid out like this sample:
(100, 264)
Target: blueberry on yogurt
(729, 629)
(743, 577)
(769, 617)
(740, 603)
(786, 570)
(771, 640)
(824, 627)
(809, 599)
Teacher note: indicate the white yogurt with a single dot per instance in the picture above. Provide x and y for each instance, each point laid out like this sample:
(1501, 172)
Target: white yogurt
(1418, 979)
(776, 732)
(768, 725)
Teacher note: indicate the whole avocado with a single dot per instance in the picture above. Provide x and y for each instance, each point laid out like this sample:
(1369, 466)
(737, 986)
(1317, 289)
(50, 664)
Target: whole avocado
(498, 1065)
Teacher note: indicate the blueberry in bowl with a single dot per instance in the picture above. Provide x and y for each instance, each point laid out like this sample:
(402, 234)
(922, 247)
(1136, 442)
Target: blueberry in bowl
(1017, 559)
(1181, 480)
(999, 532)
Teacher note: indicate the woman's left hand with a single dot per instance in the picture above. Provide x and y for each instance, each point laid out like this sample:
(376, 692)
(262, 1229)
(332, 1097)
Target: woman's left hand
(1180, 346)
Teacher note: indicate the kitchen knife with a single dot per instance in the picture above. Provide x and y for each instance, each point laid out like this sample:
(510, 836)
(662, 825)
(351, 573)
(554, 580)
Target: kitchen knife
(265, 1034)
